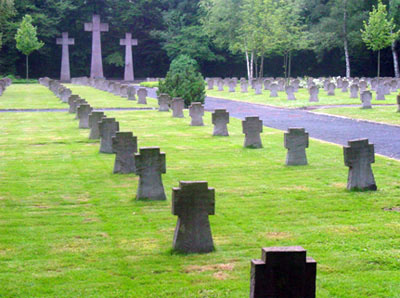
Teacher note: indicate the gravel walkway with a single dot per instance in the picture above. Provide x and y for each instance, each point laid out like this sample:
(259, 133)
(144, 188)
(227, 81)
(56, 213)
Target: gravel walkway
(66, 110)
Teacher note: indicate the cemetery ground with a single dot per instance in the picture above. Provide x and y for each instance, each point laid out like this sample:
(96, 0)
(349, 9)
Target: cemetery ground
(70, 228)
(302, 98)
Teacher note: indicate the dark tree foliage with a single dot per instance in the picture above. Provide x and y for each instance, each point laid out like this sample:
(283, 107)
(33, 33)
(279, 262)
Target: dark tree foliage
(184, 80)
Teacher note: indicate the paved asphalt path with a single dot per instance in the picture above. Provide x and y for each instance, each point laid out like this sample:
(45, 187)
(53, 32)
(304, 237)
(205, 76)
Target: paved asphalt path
(323, 127)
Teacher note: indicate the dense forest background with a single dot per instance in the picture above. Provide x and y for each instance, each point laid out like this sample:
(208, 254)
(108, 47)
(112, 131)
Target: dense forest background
(167, 28)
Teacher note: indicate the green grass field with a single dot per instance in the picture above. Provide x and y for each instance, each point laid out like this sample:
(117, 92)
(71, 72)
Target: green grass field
(35, 96)
(71, 228)
(382, 114)
(302, 98)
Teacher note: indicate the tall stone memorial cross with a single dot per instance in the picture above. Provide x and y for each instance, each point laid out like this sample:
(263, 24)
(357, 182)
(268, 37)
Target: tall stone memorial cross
(252, 127)
(358, 156)
(124, 146)
(220, 119)
(65, 75)
(108, 127)
(283, 272)
(150, 164)
(96, 27)
(296, 142)
(196, 112)
(94, 119)
(128, 42)
(193, 202)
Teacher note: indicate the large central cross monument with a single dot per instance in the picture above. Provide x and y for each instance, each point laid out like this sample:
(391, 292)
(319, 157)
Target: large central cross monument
(128, 42)
(96, 68)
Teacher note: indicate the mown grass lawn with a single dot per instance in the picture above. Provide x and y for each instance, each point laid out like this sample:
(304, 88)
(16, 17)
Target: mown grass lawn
(70, 228)
(302, 97)
(382, 114)
(35, 96)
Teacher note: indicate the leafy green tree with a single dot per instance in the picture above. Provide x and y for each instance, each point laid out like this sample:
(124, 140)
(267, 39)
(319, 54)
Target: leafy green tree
(6, 11)
(394, 13)
(184, 80)
(379, 32)
(26, 39)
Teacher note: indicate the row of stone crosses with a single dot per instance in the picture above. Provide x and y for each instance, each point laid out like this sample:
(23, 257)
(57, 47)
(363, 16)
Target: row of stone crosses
(96, 68)
(281, 271)
(358, 87)
(4, 83)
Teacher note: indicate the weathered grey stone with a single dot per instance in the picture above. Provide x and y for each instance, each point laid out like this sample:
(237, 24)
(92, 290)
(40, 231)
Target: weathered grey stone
(65, 94)
(339, 83)
(296, 84)
(290, 92)
(128, 42)
(366, 98)
(283, 272)
(232, 85)
(210, 84)
(163, 102)
(326, 83)
(374, 84)
(196, 112)
(150, 164)
(331, 89)
(273, 90)
(142, 95)
(65, 75)
(78, 103)
(72, 104)
(177, 105)
(131, 92)
(108, 127)
(124, 91)
(267, 83)
(193, 202)
(252, 127)
(281, 84)
(380, 92)
(354, 91)
(220, 84)
(244, 87)
(345, 86)
(83, 112)
(94, 120)
(313, 91)
(124, 145)
(358, 156)
(220, 119)
(257, 88)
(96, 69)
(363, 85)
(398, 103)
(296, 142)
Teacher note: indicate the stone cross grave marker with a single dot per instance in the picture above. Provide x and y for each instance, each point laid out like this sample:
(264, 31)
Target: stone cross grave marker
(313, 91)
(232, 85)
(267, 83)
(163, 102)
(131, 92)
(220, 119)
(150, 164)
(366, 98)
(78, 103)
(71, 102)
(331, 89)
(94, 119)
(252, 127)
(142, 94)
(96, 27)
(65, 42)
(290, 92)
(193, 202)
(83, 112)
(65, 94)
(283, 272)
(220, 84)
(345, 86)
(354, 91)
(296, 142)
(210, 84)
(398, 103)
(124, 145)
(358, 156)
(196, 112)
(257, 88)
(128, 42)
(177, 105)
(273, 90)
(380, 92)
(108, 127)
(244, 86)
(363, 86)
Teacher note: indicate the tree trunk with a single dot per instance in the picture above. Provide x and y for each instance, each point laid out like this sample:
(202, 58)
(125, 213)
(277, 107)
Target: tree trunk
(27, 67)
(248, 65)
(395, 60)
(262, 67)
(256, 68)
(251, 65)
(345, 41)
(379, 63)
(289, 67)
(285, 64)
